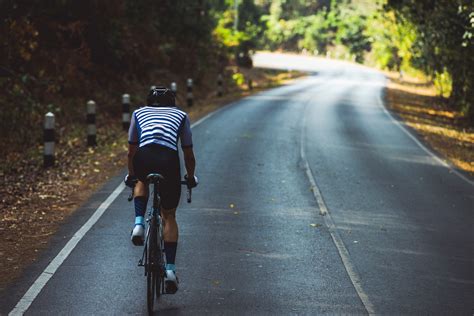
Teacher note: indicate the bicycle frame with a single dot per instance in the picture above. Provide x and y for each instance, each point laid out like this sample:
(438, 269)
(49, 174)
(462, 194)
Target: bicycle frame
(153, 257)
(154, 221)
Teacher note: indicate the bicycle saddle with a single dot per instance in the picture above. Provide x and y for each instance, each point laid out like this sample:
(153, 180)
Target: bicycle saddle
(154, 177)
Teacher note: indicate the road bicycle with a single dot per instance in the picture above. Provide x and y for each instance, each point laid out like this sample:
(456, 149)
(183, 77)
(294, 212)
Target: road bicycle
(153, 258)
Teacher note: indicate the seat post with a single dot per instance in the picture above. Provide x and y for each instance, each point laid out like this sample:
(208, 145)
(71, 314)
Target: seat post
(155, 195)
(154, 178)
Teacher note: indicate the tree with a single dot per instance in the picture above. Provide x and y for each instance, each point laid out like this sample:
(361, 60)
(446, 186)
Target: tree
(445, 29)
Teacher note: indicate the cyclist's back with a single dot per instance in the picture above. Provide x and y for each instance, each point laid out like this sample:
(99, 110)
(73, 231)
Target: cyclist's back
(159, 125)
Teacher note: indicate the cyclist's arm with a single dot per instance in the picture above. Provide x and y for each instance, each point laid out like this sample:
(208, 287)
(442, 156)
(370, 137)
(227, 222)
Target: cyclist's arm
(189, 161)
(132, 149)
(186, 137)
(132, 144)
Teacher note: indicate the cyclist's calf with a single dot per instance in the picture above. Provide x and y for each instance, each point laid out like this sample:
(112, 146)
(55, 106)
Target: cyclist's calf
(140, 189)
(170, 231)
(168, 214)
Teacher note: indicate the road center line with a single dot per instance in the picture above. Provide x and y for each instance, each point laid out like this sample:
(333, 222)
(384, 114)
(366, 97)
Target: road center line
(341, 248)
(25, 302)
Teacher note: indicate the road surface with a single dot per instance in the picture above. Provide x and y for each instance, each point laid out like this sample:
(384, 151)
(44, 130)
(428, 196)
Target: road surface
(313, 200)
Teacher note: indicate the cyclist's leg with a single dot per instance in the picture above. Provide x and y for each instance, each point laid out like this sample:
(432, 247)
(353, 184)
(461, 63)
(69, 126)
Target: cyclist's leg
(170, 200)
(170, 236)
(140, 200)
(141, 166)
(170, 231)
(170, 192)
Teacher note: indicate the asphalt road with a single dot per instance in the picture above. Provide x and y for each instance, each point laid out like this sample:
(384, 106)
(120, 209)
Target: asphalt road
(397, 238)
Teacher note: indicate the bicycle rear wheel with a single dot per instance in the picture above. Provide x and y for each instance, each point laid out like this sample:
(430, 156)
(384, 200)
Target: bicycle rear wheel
(160, 275)
(151, 283)
(158, 282)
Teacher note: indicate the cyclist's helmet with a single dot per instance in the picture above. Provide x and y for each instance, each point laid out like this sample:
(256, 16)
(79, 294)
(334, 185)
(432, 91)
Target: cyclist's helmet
(161, 96)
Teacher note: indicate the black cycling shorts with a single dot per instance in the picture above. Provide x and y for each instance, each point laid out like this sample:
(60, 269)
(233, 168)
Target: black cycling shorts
(165, 161)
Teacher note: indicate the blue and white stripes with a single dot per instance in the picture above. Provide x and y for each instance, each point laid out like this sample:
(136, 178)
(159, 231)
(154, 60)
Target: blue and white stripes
(159, 125)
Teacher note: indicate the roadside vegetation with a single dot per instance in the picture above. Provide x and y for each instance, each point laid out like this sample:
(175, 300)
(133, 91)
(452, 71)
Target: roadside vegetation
(57, 55)
(417, 103)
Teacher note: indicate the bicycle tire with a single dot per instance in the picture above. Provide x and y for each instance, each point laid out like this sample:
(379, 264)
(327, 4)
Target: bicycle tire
(151, 283)
(158, 286)
(160, 279)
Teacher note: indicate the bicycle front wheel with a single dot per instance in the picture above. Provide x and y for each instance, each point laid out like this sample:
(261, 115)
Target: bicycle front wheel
(151, 288)
(152, 266)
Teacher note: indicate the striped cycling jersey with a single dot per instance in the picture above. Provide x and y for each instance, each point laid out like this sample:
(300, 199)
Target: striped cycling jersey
(160, 125)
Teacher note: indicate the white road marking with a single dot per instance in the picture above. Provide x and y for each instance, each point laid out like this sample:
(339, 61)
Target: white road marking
(34, 290)
(41, 281)
(341, 248)
(428, 151)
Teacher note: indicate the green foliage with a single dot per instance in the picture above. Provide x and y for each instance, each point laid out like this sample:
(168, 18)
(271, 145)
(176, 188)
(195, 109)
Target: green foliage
(317, 34)
(392, 42)
(445, 44)
(238, 78)
(351, 25)
(316, 27)
(443, 83)
(63, 52)
(226, 34)
(239, 31)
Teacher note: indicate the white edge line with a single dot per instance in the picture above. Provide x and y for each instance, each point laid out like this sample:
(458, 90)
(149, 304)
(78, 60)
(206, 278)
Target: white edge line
(198, 122)
(25, 302)
(41, 281)
(341, 248)
(422, 146)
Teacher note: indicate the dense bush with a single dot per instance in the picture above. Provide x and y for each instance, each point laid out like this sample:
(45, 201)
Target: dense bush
(55, 54)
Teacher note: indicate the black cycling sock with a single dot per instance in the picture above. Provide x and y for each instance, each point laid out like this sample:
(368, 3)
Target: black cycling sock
(170, 250)
(140, 205)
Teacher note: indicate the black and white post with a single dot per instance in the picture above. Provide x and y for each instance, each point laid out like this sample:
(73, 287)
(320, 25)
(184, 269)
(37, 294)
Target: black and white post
(91, 127)
(174, 88)
(190, 92)
(125, 111)
(48, 140)
(219, 85)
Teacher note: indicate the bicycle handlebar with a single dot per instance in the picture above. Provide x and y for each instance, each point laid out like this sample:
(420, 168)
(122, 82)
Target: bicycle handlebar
(189, 191)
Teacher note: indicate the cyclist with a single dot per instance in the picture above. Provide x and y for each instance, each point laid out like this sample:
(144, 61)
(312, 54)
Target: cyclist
(153, 148)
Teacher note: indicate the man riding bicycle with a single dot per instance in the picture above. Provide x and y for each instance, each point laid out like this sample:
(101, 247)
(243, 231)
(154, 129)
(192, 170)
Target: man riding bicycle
(153, 148)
